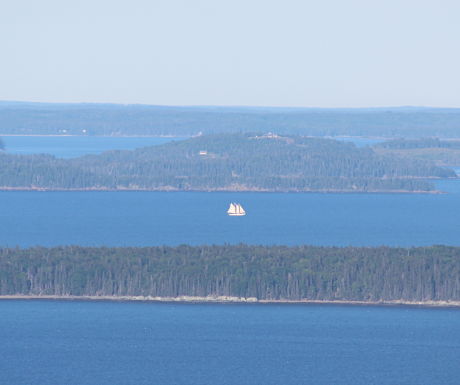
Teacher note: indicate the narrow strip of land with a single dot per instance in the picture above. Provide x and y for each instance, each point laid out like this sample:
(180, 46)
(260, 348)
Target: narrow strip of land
(226, 299)
(236, 273)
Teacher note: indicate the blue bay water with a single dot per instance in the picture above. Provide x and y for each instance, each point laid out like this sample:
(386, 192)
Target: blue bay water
(74, 146)
(120, 343)
(360, 141)
(172, 218)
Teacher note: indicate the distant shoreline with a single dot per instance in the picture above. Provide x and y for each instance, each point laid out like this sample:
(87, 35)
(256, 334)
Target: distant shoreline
(229, 300)
(334, 137)
(99, 136)
(171, 136)
(253, 190)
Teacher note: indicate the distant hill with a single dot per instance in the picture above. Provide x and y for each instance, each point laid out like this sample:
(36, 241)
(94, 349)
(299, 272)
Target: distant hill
(226, 162)
(112, 119)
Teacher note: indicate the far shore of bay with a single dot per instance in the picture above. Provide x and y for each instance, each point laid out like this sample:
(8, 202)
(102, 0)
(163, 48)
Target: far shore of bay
(222, 189)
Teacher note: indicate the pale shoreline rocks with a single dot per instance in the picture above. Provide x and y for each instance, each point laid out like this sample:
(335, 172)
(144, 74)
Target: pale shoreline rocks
(230, 299)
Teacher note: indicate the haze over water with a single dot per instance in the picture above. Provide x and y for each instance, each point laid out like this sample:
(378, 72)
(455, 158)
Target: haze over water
(74, 146)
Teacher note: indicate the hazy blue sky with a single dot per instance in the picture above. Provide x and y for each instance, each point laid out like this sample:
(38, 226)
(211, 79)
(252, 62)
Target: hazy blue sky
(324, 53)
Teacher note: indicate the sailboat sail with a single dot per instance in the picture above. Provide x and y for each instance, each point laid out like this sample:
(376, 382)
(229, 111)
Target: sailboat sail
(232, 209)
(236, 209)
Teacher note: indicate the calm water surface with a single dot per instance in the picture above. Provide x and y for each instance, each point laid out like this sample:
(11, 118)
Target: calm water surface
(359, 141)
(161, 218)
(74, 146)
(85, 343)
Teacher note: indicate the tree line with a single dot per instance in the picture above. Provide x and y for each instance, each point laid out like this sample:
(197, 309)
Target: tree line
(263, 272)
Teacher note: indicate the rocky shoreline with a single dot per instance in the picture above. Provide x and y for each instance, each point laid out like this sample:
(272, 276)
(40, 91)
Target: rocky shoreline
(229, 299)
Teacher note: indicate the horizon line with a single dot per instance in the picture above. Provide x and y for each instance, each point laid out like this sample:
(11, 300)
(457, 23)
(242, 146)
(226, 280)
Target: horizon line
(394, 107)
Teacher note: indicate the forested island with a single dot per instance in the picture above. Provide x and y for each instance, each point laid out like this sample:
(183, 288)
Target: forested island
(241, 272)
(440, 152)
(21, 118)
(226, 162)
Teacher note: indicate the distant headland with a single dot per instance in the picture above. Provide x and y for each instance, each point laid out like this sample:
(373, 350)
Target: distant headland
(227, 162)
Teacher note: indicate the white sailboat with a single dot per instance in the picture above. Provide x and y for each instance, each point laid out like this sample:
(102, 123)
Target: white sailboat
(236, 210)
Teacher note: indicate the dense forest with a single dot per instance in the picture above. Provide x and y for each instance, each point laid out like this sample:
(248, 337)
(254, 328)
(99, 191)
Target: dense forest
(440, 152)
(111, 119)
(263, 272)
(233, 162)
